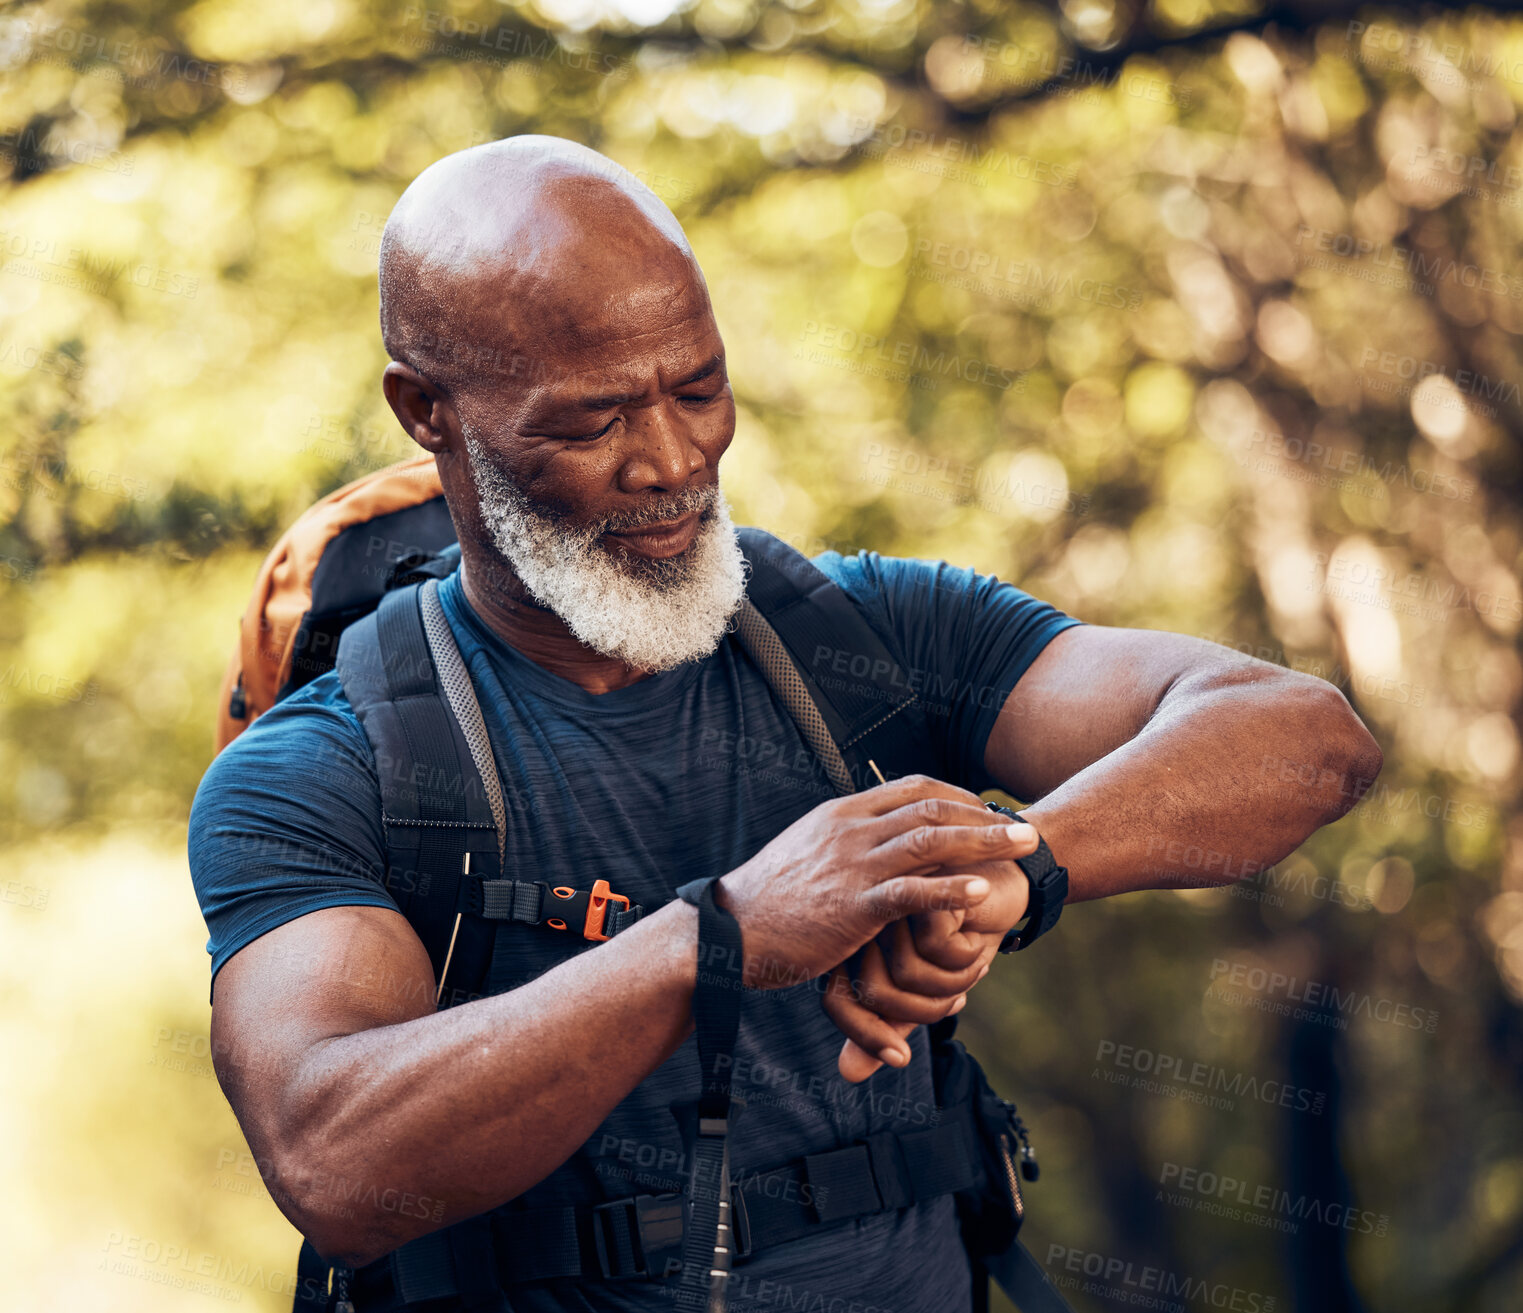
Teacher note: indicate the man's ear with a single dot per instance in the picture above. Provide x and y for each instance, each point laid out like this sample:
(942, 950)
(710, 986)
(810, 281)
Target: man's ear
(418, 405)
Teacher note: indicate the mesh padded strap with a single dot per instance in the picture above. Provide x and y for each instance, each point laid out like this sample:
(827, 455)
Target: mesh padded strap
(433, 801)
(637, 1236)
(781, 1204)
(767, 650)
(854, 676)
(455, 683)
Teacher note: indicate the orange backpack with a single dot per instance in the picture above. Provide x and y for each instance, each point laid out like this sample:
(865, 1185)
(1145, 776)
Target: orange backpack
(329, 568)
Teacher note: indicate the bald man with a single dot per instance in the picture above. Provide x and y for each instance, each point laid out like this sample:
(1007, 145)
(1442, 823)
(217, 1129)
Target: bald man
(553, 346)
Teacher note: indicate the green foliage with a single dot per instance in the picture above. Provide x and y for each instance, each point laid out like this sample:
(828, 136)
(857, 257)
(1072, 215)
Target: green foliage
(1217, 335)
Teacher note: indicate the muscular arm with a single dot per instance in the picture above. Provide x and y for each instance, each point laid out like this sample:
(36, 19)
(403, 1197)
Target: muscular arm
(345, 1078)
(1159, 760)
(377, 1119)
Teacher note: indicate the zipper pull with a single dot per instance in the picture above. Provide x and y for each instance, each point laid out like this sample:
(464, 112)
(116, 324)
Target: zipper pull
(1030, 1168)
(341, 1277)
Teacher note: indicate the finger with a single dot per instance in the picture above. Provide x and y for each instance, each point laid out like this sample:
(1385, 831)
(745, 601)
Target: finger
(907, 789)
(948, 922)
(877, 992)
(939, 936)
(856, 1064)
(935, 809)
(881, 1039)
(943, 939)
(955, 952)
(912, 971)
(923, 848)
(908, 894)
(955, 955)
(1002, 909)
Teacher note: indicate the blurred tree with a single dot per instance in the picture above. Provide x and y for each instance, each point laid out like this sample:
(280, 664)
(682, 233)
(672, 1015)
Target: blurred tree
(1199, 314)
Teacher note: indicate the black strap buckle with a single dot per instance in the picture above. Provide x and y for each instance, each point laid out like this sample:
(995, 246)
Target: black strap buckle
(414, 566)
(740, 1222)
(655, 1225)
(650, 1226)
(564, 908)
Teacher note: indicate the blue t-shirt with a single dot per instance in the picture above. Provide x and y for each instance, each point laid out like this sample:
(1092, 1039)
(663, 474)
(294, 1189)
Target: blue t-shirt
(684, 774)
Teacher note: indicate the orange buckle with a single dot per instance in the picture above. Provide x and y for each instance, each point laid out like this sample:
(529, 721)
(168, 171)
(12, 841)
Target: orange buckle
(597, 915)
(595, 904)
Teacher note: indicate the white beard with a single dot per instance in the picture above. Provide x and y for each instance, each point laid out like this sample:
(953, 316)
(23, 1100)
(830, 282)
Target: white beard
(652, 615)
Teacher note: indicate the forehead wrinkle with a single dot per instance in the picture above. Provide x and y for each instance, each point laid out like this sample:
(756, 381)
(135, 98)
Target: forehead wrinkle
(621, 378)
(570, 355)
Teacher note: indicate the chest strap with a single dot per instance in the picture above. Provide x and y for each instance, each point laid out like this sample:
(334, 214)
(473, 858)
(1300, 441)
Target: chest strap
(597, 913)
(641, 1237)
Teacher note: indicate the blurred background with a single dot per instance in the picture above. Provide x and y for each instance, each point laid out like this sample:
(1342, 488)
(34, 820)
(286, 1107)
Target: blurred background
(1192, 314)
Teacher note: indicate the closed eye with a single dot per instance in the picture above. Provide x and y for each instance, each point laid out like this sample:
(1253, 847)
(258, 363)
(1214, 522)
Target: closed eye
(592, 437)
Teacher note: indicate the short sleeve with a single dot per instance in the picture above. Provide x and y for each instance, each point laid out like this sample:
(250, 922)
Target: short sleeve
(287, 821)
(966, 638)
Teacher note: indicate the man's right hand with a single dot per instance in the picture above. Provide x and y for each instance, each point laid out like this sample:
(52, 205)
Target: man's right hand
(835, 877)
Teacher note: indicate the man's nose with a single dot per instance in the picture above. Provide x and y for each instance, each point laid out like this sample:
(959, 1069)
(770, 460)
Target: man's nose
(664, 453)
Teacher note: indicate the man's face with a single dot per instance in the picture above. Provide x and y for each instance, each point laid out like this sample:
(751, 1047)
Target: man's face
(594, 453)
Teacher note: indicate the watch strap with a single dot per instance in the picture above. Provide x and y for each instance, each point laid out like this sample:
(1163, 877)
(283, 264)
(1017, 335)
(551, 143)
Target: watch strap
(1049, 887)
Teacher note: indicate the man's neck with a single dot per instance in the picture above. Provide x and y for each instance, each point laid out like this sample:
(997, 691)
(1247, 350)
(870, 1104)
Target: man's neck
(504, 605)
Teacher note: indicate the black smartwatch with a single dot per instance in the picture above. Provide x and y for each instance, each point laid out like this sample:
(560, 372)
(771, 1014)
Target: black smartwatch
(1049, 887)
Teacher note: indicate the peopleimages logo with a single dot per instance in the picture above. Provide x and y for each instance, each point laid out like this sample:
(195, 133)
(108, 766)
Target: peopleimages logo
(1355, 580)
(1382, 45)
(1267, 452)
(865, 349)
(987, 270)
(1321, 999)
(944, 479)
(1142, 1280)
(1469, 167)
(1271, 1200)
(1181, 1077)
(1415, 369)
(1398, 262)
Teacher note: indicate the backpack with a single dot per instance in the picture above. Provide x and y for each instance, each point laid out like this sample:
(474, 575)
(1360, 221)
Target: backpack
(352, 585)
(328, 570)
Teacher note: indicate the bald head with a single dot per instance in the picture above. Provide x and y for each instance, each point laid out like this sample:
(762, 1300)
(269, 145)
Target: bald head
(516, 240)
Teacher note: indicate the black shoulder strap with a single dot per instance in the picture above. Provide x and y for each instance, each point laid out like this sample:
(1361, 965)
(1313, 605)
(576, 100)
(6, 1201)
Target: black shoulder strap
(837, 670)
(435, 795)
(853, 676)
(434, 804)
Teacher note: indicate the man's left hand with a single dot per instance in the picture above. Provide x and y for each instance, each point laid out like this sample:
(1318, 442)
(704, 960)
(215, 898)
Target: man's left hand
(919, 970)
